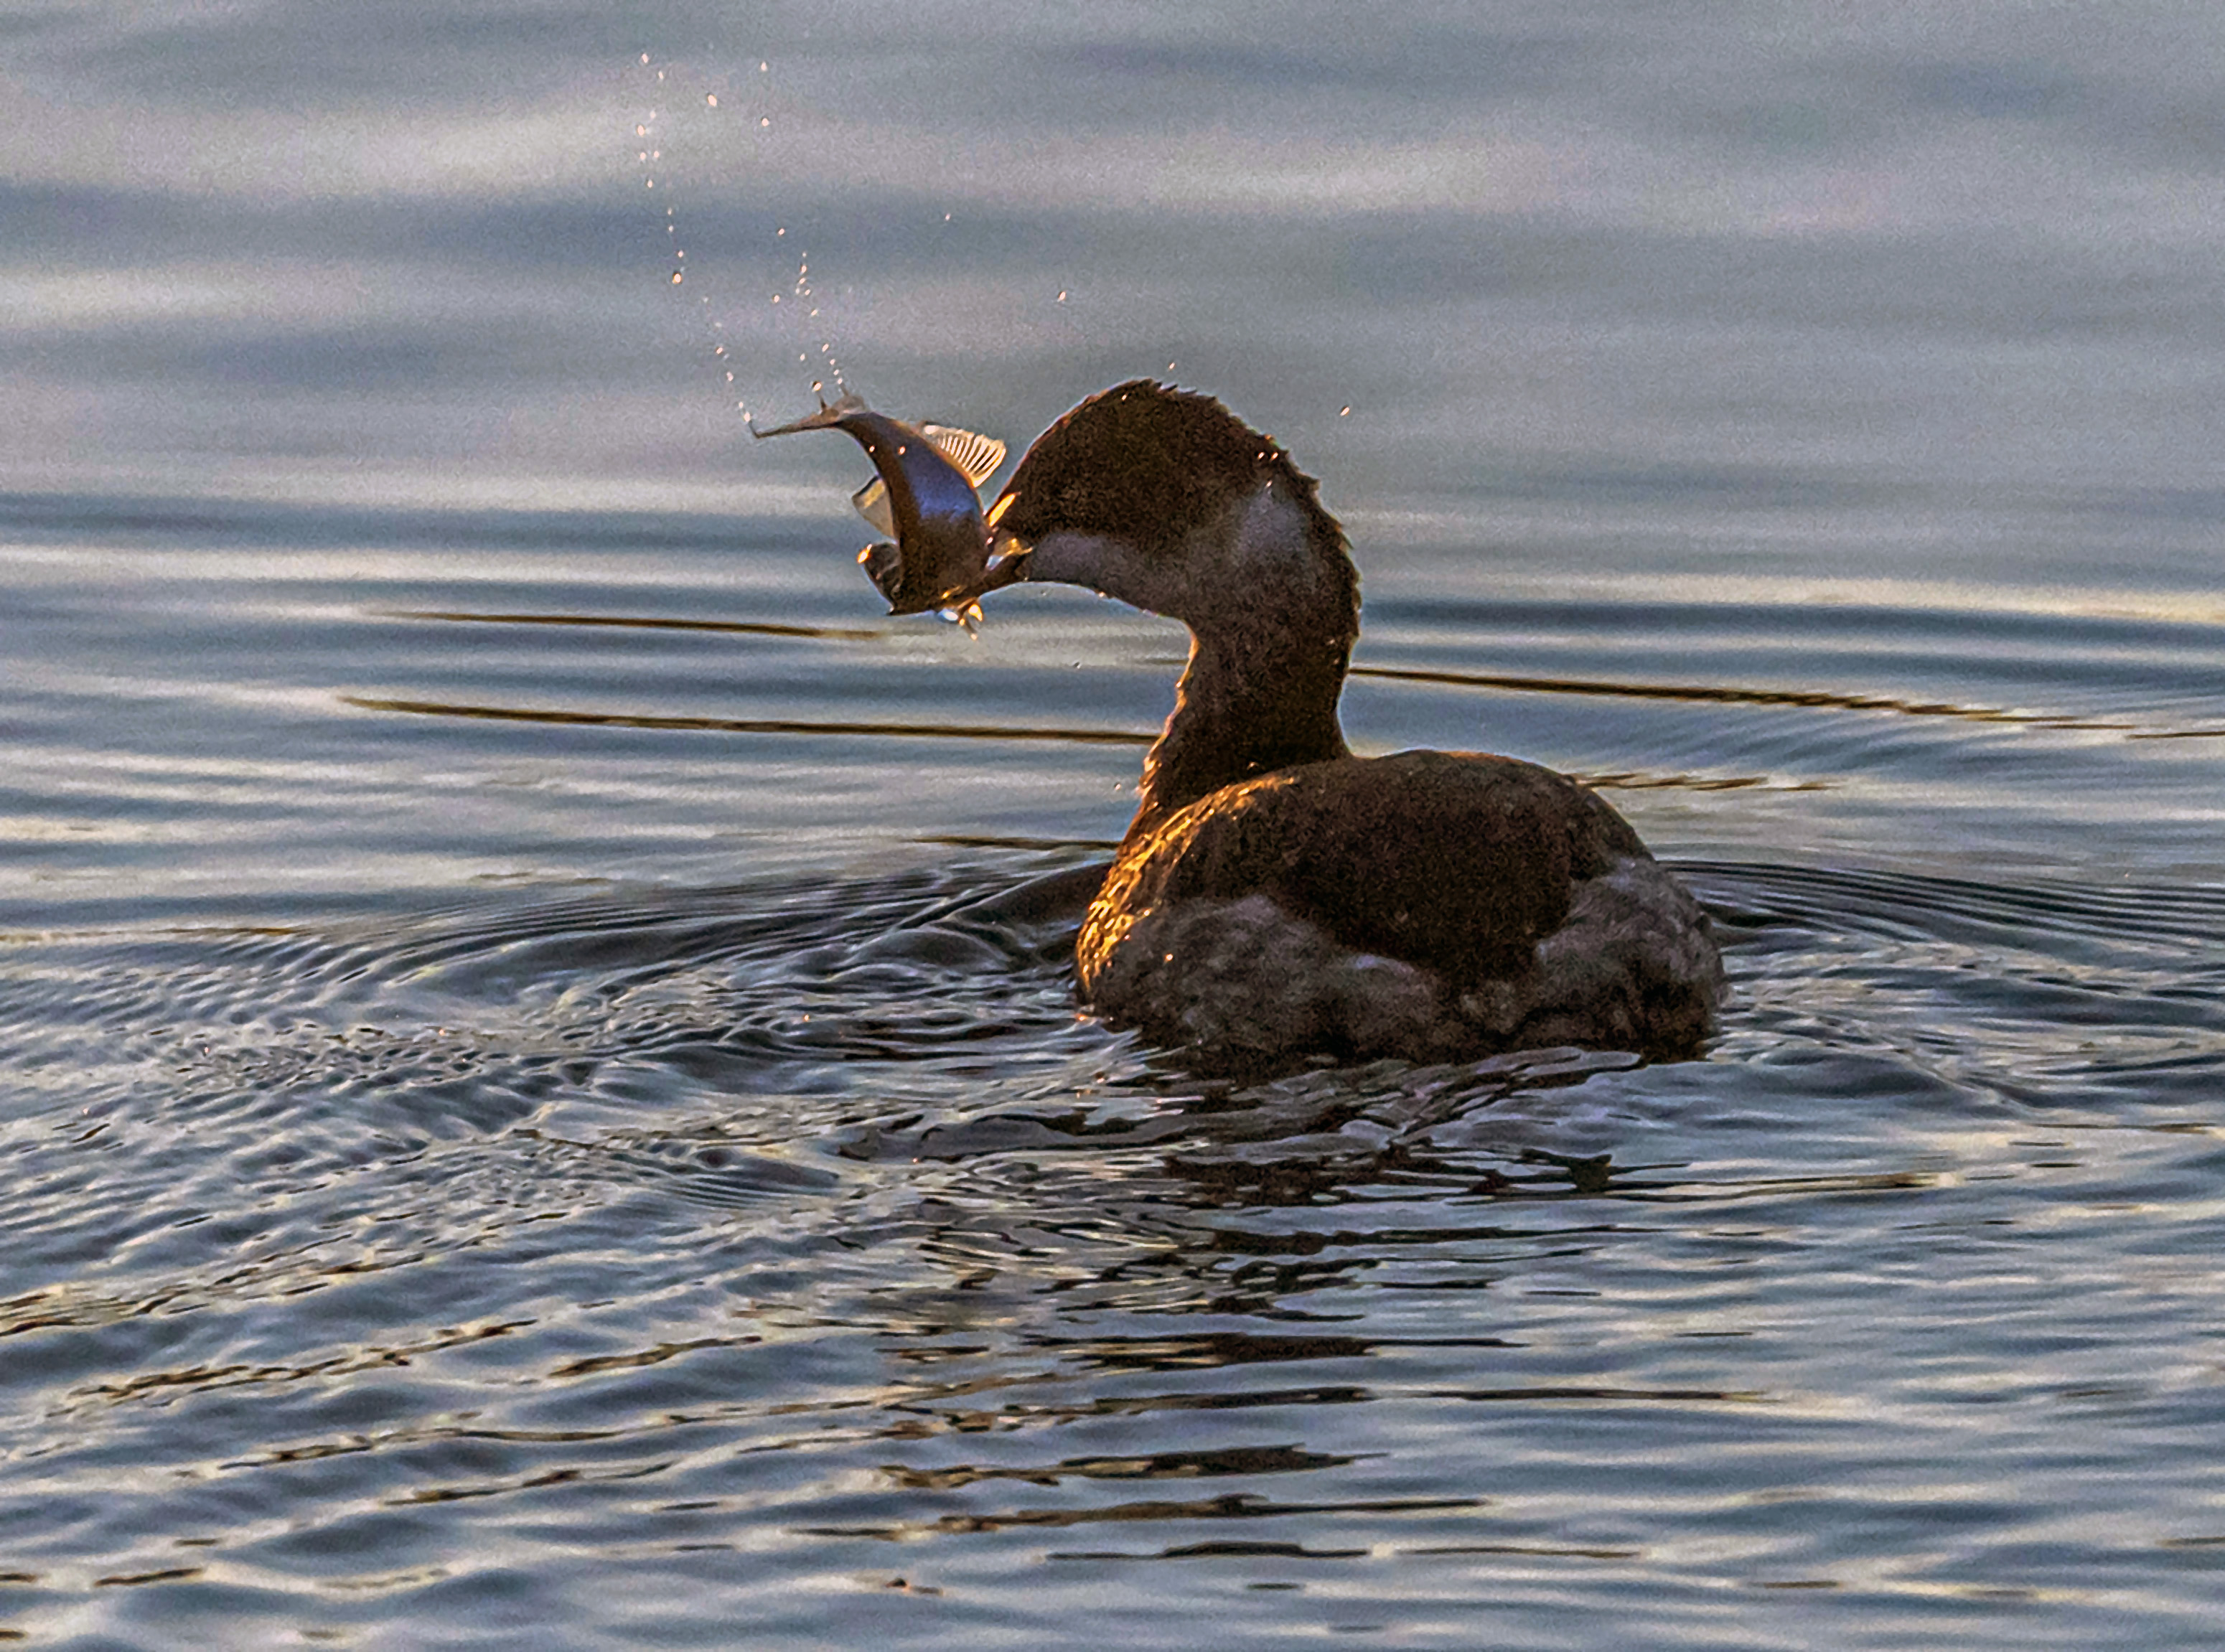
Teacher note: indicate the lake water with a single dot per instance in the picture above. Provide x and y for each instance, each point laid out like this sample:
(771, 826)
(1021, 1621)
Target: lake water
(540, 1089)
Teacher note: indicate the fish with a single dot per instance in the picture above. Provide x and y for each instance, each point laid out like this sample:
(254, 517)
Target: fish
(923, 497)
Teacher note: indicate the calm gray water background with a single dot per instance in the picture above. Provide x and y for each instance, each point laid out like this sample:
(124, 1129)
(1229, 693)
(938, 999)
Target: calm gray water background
(539, 1091)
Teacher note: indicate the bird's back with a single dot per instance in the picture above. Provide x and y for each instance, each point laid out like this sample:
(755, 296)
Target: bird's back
(1428, 902)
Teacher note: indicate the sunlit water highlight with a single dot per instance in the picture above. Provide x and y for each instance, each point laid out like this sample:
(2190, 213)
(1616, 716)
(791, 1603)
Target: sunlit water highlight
(538, 1076)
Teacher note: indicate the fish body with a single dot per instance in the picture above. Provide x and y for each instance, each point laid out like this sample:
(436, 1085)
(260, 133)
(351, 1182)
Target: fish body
(923, 496)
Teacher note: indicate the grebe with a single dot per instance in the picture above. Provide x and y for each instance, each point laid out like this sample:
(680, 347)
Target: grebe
(1276, 897)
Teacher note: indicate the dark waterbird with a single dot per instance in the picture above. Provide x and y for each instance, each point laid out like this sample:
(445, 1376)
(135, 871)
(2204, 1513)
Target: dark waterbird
(923, 499)
(1275, 896)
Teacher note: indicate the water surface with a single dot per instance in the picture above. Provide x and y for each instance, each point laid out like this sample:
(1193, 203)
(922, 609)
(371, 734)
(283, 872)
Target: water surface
(538, 1071)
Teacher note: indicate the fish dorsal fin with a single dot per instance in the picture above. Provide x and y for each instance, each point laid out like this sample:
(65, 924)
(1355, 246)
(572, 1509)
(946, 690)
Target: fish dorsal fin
(976, 458)
(872, 502)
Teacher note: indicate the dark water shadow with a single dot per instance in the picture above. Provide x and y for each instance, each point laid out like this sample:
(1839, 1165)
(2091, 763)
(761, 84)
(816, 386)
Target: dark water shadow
(644, 623)
(1725, 694)
(1015, 732)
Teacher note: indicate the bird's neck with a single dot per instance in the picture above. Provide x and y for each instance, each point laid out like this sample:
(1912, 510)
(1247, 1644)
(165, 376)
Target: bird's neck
(1248, 703)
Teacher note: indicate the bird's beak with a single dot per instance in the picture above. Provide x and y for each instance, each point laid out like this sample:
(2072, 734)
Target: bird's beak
(1007, 559)
(1008, 565)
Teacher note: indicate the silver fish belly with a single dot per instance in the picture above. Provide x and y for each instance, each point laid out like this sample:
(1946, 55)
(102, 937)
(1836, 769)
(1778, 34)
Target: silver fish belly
(924, 496)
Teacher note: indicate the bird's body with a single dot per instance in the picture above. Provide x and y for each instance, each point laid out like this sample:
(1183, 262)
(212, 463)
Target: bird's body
(1275, 896)
(1429, 904)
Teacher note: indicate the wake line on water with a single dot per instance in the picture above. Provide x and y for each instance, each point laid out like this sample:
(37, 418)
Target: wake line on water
(1621, 781)
(748, 726)
(1805, 698)
(648, 623)
(1704, 694)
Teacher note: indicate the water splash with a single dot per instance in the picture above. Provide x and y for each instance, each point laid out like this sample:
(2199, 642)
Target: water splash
(653, 131)
(810, 300)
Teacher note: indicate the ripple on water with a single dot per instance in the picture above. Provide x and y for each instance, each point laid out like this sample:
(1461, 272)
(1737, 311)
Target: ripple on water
(801, 1231)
